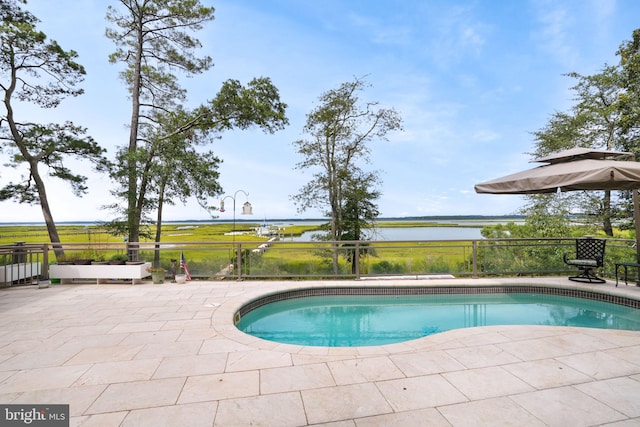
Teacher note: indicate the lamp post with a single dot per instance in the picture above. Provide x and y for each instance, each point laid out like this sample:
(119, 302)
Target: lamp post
(246, 208)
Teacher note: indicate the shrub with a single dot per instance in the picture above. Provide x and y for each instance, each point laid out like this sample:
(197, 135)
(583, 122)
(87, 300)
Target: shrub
(385, 267)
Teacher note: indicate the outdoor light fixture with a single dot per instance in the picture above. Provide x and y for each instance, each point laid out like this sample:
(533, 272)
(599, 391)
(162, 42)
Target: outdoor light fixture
(247, 209)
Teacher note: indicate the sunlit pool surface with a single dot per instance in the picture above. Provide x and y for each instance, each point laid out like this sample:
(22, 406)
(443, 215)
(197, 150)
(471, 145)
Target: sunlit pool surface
(365, 320)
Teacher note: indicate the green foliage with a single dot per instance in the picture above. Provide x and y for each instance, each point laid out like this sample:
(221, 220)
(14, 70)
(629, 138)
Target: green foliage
(241, 107)
(438, 264)
(606, 115)
(164, 161)
(309, 266)
(49, 145)
(340, 130)
(386, 267)
(498, 231)
(359, 210)
(158, 31)
(547, 215)
(524, 258)
(119, 257)
(153, 40)
(37, 71)
(629, 100)
(34, 69)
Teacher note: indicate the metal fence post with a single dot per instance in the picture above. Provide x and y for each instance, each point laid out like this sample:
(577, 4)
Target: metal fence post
(45, 262)
(474, 257)
(239, 260)
(356, 257)
(19, 253)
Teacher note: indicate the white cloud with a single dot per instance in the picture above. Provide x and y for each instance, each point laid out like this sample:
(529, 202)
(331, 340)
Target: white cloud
(554, 35)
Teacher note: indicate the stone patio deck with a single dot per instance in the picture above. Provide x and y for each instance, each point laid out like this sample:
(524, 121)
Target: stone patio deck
(169, 355)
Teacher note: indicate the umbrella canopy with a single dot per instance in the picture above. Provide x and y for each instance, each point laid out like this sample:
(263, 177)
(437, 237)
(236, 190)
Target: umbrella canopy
(573, 170)
(585, 174)
(579, 153)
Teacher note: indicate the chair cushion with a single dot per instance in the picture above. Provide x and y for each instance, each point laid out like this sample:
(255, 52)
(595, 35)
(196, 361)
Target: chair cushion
(583, 262)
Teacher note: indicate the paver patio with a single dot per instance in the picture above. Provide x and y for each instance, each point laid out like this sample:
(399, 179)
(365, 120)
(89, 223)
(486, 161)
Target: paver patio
(138, 355)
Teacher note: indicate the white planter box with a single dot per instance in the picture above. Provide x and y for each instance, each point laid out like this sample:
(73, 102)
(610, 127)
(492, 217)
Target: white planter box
(13, 272)
(67, 273)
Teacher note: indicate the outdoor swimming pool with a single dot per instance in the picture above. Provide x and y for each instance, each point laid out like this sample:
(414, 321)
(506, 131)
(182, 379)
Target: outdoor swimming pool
(365, 320)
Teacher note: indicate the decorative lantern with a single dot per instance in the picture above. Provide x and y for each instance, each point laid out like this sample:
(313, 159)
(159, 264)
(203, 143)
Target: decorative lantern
(221, 205)
(247, 209)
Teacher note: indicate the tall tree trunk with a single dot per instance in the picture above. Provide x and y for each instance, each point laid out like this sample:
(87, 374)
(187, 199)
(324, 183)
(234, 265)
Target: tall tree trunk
(156, 254)
(133, 216)
(33, 170)
(46, 210)
(356, 236)
(335, 230)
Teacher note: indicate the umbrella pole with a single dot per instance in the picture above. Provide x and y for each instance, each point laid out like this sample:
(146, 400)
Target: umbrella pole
(636, 220)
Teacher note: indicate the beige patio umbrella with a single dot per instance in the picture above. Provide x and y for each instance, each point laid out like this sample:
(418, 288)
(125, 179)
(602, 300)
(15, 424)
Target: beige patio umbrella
(573, 170)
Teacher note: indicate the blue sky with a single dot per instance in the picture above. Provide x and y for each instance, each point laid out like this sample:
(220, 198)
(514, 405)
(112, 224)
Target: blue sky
(471, 79)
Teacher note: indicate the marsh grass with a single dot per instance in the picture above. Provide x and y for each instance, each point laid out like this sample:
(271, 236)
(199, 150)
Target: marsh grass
(206, 258)
(376, 258)
(210, 250)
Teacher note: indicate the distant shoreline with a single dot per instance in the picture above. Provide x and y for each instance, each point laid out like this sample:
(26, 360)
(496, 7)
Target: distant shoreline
(433, 218)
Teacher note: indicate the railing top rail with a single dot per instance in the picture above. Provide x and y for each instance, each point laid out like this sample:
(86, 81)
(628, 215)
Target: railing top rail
(178, 245)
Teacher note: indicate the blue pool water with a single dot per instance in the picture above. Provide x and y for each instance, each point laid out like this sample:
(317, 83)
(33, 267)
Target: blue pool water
(359, 320)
